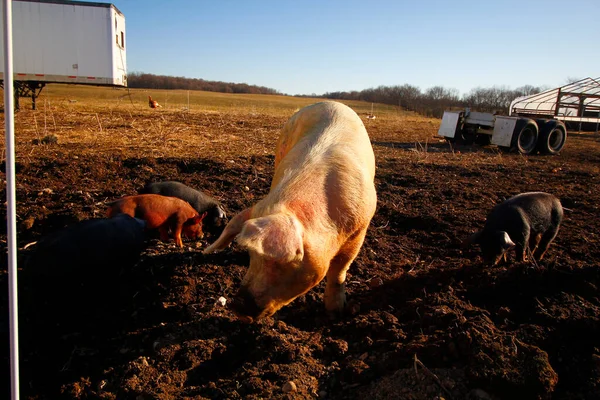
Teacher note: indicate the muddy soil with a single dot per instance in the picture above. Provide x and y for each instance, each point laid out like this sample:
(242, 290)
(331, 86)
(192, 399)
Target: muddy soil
(425, 319)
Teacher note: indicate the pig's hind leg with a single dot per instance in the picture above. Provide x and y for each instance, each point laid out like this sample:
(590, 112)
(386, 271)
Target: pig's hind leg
(335, 296)
(163, 230)
(176, 222)
(545, 241)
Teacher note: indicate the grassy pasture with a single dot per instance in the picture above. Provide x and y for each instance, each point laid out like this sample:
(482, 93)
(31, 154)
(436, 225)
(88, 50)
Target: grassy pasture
(83, 97)
(104, 120)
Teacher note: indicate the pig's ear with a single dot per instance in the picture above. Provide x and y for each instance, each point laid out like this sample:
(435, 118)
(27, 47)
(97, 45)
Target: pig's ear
(230, 232)
(473, 239)
(196, 220)
(507, 243)
(277, 237)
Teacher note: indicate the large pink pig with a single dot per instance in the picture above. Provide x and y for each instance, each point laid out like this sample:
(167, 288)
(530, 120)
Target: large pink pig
(313, 222)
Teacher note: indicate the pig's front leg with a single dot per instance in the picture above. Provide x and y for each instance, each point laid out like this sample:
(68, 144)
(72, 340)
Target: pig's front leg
(335, 289)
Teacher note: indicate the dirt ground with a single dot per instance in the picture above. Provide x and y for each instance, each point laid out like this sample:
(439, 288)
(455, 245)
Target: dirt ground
(426, 319)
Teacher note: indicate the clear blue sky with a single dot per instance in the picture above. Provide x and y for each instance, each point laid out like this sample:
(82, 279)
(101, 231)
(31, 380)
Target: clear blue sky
(304, 47)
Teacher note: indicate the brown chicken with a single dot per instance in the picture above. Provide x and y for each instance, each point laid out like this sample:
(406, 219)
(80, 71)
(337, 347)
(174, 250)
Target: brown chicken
(153, 103)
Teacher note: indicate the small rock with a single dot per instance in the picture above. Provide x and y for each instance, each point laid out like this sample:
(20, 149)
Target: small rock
(289, 387)
(337, 346)
(246, 188)
(49, 139)
(27, 224)
(375, 282)
(221, 301)
(102, 384)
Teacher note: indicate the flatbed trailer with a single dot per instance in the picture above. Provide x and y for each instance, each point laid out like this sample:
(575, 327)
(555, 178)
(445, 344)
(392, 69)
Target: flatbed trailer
(536, 123)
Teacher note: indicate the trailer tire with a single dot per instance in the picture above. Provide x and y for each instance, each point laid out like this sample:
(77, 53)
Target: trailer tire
(552, 138)
(525, 136)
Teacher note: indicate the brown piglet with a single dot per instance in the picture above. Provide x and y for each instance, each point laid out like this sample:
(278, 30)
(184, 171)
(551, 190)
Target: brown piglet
(163, 213)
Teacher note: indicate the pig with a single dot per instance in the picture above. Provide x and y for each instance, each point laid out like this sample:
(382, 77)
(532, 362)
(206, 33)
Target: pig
(163, 213)
(313, 221)
(73, 274)
(528, 222)
(95, 245)
(201, 202)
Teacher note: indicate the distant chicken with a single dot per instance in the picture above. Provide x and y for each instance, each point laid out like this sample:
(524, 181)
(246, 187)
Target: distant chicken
(153, 103)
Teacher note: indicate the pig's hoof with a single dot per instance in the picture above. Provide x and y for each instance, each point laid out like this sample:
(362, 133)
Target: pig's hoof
(335, 314)
(338, 311)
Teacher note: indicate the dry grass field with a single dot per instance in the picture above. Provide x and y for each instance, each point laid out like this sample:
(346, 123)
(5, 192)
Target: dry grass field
(426, 319)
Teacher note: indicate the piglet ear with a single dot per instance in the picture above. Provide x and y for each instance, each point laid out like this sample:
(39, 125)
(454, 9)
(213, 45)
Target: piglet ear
(507, 243)
(230, 232)
(277, 237)
(195, 220)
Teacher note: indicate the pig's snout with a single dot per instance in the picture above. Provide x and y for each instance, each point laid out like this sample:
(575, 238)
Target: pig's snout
(244, 306)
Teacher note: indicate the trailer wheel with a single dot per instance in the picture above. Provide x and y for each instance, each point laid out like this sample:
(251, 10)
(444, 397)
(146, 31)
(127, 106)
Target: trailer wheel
(525, 136)
(553, 135)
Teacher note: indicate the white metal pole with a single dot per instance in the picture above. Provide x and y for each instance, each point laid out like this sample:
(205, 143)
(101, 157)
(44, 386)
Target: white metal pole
(11, 233)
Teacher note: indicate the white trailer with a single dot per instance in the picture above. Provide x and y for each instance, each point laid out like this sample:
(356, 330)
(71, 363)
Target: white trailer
(536, 123)
(59, 41)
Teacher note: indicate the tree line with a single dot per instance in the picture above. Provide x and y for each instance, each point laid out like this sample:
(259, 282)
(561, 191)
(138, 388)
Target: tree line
(433, 101)
(151, 81)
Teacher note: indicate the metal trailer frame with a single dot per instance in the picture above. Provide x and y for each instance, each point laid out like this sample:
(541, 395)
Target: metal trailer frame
(26, 89)
(576, 102)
